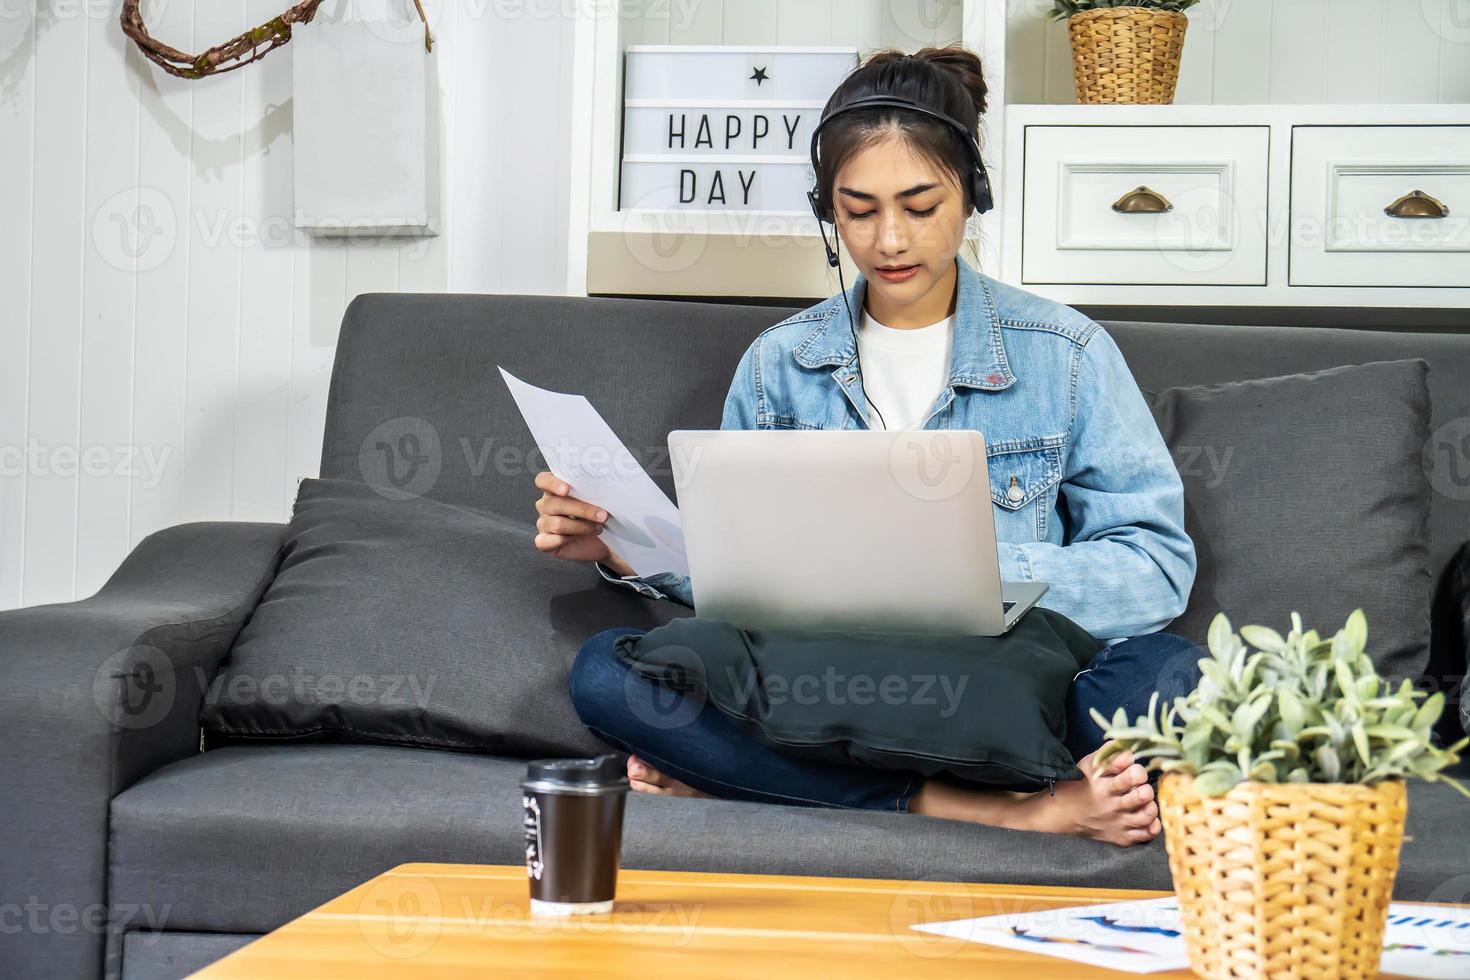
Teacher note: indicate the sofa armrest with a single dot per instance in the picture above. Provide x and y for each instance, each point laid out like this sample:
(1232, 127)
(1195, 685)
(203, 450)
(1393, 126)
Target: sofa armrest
(93, 695)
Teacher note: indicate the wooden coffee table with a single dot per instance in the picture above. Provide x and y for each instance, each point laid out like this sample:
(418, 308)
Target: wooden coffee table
(457, 920)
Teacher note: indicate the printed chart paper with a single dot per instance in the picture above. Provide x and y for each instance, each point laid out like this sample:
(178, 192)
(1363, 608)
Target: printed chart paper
(581, 449)
(1145, 936)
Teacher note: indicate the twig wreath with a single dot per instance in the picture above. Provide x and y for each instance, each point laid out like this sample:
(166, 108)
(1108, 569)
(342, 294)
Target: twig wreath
(238, 51)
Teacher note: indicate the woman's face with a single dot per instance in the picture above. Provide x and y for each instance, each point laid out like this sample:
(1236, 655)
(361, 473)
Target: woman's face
(895, 209)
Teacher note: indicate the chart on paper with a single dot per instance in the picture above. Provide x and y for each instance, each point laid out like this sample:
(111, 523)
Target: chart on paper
(1147, 936)
(582, 449)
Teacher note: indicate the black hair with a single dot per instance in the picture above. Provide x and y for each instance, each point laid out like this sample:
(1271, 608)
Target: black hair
(948, 79)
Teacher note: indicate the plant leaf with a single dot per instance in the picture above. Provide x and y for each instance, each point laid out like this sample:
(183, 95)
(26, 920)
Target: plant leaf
(1429, 712)
(1360, 739)
(1290, 706)
(1217, 640)
(1263, 638)
(1327, 761)
(1356, 629)
(1217, 781)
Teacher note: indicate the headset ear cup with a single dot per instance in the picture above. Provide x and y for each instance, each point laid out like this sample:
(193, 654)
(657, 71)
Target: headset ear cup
(980, 191)
(811, 197)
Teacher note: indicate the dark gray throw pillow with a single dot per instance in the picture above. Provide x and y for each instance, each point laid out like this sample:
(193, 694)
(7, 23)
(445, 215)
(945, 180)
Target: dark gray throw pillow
(415, 622)
(1308, 492)
(985, 709)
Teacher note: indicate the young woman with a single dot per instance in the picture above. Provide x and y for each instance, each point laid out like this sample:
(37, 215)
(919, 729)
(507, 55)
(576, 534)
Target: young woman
(1090, 500)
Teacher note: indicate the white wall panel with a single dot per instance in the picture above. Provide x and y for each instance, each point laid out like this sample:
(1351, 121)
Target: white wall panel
(58, 217)
(267, 269)
(109, 191)
(1278, 51)
(17, 102)
(159, 307)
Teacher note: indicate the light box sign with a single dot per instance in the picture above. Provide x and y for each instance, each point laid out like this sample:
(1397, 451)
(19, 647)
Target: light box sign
(723, 127)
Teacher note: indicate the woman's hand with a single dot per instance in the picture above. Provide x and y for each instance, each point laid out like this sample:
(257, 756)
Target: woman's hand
(570, 528)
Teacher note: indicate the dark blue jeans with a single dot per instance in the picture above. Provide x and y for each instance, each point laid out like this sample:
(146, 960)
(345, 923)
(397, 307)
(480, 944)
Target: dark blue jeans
(696, 743)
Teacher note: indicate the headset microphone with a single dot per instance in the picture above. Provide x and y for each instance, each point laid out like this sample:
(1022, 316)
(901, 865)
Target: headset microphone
(832, 259)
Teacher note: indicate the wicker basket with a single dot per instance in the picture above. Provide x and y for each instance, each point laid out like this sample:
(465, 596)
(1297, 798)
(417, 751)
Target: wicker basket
(1126, 55)
(1283, 880)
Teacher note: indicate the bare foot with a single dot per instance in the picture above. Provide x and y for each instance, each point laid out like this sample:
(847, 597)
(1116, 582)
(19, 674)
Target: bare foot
(646, 779)
(1113, 803)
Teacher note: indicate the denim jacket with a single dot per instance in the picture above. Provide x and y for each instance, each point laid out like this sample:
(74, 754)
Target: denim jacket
(1100, 515)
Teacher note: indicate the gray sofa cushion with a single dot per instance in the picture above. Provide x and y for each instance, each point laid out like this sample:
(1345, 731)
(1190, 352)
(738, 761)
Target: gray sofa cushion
(1307, 492)
(242, 839)
(148, 955)
(406, 620)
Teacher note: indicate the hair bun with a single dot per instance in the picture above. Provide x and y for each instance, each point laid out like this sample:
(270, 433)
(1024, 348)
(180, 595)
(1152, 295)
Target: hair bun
(965, 65)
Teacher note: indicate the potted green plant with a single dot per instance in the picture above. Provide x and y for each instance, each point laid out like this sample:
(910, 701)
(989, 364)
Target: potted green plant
(1125, 52)
(1282, 797)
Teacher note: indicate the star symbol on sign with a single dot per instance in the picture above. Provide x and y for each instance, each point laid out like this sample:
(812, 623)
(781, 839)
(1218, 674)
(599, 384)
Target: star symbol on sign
(760, 75)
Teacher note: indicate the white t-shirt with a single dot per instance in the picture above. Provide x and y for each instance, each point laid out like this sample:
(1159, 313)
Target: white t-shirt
(903, 370)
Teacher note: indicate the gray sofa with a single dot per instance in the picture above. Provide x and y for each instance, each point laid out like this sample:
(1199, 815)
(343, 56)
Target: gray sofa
(129, 851)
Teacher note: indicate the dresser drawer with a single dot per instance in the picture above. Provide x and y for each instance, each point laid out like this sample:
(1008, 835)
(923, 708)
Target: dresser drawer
(1145, 205)
(1380, 206)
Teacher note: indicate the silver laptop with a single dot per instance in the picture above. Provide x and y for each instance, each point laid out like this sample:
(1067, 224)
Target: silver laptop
(844, 529)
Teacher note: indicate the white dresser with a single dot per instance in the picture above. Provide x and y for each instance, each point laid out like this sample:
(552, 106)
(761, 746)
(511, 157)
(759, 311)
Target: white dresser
(1239, 205)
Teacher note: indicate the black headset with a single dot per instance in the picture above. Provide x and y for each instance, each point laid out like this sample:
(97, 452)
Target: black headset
(979, 187)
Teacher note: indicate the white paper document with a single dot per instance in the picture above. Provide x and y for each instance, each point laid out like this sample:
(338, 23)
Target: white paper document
(1146, 936)
(582, 450)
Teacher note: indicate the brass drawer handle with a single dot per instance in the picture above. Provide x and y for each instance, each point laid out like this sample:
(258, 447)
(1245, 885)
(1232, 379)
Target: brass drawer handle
(1142, 200)
(1417, 204)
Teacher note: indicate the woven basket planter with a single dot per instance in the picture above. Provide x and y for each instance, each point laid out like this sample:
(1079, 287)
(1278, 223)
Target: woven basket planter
(1283, 880)
(1126, 55)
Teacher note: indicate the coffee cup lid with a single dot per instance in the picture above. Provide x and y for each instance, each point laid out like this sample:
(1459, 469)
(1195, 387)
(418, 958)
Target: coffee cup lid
(600, 773)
